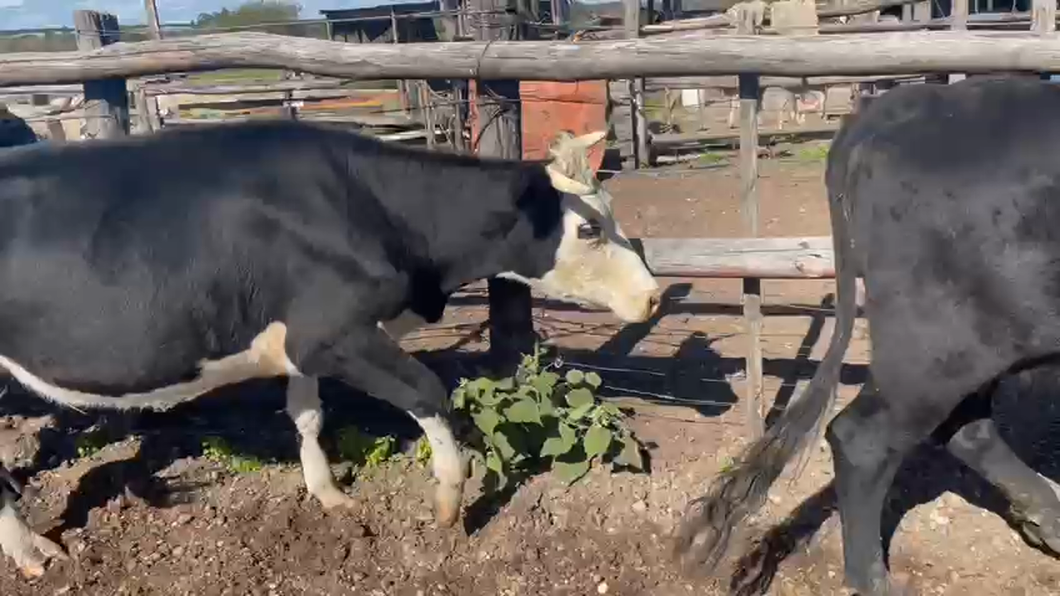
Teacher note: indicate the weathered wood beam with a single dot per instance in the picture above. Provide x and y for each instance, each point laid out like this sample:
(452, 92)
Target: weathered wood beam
(735, 258)
(865, 6)
(865, 54)
(717, 21)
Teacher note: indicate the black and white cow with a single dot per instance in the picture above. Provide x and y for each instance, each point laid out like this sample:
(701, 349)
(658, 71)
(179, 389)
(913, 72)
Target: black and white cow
(147, 271)
(946, 201)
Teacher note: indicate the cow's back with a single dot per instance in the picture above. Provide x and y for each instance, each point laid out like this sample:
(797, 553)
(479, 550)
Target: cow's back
(109, 254)
(954, 193)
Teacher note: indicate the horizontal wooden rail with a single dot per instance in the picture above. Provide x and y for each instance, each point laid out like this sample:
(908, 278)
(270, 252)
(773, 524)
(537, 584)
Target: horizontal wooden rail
(762, 258)
(733, 82)
(855, 8)
(673, 140)
(182, 87)
(718, 21)
(867, 54)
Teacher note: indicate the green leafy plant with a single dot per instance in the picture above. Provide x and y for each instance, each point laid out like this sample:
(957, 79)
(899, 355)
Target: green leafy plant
(364, 450)
(538, 418)
(218, 451)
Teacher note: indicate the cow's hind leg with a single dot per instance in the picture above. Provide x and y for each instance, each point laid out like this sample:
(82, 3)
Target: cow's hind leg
(303, 406)
(971, 436)
(869, 440)
(30, 551)
(372, 361)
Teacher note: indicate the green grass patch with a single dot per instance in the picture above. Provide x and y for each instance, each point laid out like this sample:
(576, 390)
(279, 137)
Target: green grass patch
(218, 451)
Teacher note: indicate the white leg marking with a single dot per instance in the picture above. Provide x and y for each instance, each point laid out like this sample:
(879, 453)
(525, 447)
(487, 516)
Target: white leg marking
(265, 358)
(448, 469)
(402, 325)
(303, 406)
(29, 550)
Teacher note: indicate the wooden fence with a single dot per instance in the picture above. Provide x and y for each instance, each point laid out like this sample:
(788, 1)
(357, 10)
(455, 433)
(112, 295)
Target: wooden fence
(748, 56)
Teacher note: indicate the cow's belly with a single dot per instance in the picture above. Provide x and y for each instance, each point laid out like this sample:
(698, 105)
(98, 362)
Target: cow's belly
(73, 330)
(112, 383)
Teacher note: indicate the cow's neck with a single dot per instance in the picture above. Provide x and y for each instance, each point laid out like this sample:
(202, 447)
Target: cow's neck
(517, 251)
(514, 228)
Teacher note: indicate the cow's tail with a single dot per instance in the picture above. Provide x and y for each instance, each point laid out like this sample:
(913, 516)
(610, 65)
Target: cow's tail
(737, 493)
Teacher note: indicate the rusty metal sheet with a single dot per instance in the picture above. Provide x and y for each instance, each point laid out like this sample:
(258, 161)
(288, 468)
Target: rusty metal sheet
(551, 106)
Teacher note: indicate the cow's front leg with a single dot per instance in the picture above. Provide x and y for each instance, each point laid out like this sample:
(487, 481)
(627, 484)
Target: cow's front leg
(29, 550)
(367, 358)
(303, 406)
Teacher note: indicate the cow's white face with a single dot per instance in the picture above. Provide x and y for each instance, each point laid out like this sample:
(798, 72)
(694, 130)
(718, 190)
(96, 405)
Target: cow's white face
(594, 261)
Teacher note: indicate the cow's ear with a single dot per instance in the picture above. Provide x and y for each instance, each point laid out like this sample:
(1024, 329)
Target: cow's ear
(563, 183)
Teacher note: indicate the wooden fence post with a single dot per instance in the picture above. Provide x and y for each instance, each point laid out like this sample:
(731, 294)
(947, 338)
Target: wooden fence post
(454, 29)
(750, 100)
(402, 84)
(427, 111)
(154, 26)
(641, 144)
(1043, 17)
(958, 22)
(147, 116)
(499, 134)
(106, 101)
(1043, 21)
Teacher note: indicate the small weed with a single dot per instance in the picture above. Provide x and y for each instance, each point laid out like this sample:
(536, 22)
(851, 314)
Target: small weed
(89, 443)
(422, 455)
(216, 450)
(538, 417)
(363, 450)
(727, 465)
(711, 158)
(818, 152)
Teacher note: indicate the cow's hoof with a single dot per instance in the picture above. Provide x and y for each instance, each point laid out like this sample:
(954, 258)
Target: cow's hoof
(333, 498)
(875, 580)
(447, 500)
(31, 552)
(32, 570)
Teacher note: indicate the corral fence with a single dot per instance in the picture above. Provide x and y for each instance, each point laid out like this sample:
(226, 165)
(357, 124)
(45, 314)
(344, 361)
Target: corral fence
(497, 59)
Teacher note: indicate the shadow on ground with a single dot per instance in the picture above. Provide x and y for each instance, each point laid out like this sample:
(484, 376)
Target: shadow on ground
(1028, 416)
(251, 418)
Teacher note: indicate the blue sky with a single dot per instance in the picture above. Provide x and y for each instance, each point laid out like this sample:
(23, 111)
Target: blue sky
(25, 14)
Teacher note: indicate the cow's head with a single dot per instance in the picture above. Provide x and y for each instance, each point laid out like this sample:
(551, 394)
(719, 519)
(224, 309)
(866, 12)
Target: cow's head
(593, 263)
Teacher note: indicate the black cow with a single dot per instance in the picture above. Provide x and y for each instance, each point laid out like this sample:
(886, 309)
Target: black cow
(144, 272)
(946, 200)
(14, 131)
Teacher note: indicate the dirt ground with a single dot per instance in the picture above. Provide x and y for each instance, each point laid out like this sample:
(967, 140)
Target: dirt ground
(149, 514)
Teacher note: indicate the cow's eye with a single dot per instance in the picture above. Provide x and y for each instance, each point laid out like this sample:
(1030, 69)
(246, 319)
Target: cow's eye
(590, 230)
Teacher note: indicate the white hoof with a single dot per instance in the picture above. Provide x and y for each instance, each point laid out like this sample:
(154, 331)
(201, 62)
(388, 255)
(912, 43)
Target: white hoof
(332, 498)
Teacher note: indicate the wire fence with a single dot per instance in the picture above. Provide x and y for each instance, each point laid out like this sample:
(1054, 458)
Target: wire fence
(668, 366)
